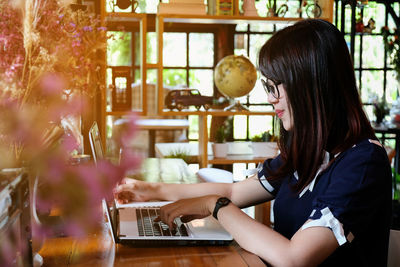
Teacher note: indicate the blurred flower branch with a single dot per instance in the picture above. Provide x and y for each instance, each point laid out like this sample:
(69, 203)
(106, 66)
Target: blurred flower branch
(49, 68)
(44, 43)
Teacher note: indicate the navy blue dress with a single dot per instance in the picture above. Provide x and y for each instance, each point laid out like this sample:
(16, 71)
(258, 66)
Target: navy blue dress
(351, 196)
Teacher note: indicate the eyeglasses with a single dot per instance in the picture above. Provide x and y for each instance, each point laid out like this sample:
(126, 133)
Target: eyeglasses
(271, 89)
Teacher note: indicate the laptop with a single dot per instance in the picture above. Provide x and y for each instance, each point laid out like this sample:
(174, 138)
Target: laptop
(133, 223)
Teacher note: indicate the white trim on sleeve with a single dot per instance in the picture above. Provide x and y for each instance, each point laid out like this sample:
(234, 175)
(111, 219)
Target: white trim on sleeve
(328, 220)
(310, 186)
(266, 184)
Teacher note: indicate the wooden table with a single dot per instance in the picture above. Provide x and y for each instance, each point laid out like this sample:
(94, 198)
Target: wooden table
(154, 125)
(99, 249)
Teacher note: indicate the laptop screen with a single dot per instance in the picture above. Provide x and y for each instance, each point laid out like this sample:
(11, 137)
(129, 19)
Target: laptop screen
(95, 142)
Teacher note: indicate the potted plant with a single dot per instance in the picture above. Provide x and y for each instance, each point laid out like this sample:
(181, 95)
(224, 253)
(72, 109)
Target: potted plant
(264, 145)
(380, 111)
(220, 147)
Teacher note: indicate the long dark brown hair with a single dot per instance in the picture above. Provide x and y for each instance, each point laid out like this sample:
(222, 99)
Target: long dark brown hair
(312, 61)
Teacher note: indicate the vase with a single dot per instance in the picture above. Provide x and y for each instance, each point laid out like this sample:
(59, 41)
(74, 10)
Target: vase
(249, 8)
(220, 150)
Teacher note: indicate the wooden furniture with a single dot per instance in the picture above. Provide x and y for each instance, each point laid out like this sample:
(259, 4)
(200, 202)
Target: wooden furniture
(153, 125)
(238, 152)
(161, 20)
(99, 249)
(112, 20)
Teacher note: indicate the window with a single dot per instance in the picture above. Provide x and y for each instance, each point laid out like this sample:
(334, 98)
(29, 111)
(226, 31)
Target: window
(374, 73)
(189, 63)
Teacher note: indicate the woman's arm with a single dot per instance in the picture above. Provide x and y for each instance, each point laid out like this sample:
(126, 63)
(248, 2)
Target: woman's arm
(135, 190)
(307, 247)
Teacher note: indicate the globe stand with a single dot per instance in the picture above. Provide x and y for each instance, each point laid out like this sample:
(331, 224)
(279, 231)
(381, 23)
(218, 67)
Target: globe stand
(236, 106)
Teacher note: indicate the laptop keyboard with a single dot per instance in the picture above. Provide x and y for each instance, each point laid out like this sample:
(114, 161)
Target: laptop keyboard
(147, 226)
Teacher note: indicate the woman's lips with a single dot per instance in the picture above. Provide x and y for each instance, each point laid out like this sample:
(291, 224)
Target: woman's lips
(279, 112)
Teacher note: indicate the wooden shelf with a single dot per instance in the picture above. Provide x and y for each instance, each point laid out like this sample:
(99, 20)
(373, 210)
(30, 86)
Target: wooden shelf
(227, 19)
(122, 16)
(123, 113)
(230, 159)
(161, 20)
(215, 112)
(208, 19)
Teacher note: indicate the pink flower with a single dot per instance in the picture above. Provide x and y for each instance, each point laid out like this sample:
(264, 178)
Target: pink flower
(52, 84)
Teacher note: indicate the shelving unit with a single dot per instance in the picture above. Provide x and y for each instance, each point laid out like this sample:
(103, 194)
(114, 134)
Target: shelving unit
(161, 20)
(107, 19)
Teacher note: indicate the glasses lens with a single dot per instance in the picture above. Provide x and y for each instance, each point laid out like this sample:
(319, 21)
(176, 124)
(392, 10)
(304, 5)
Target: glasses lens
(270, 89)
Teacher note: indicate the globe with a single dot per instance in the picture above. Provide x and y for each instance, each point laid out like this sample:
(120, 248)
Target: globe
(235, 76)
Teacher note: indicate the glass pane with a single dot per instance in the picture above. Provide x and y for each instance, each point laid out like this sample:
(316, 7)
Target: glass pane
(348, 42)
(201, 52)
(108, 91)
(357, 74)
(259, 124)
(282, 25)
(264, 107)
(369, 110)
(372, 83)
(137, 78)
(373, 52)
(174, 50)
(151, 49)
(347, 16)
(262, 27)
(119, 49)
(202, 80)
(240, 44)
(174, 77)
(239, 127)
(256, 42)
(148, 6)
(377, 12)
(137, 92)
(262, 8)
(258, 95)
(356, 51)
(241, 27)
(137, 48)
(391, 23)
(152, 76)
(193, 127)
(337, 6)
(392, 86)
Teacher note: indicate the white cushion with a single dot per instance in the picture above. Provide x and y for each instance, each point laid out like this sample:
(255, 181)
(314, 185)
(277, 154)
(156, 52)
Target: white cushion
(215, 175)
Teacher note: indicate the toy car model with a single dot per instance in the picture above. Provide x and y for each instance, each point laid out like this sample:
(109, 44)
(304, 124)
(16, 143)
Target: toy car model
(182, 98)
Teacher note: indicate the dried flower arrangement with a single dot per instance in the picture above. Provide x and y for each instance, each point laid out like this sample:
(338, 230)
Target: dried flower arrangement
(48, 65)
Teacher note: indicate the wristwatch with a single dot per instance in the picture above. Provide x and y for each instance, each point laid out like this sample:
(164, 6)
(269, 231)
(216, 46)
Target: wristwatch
(221, 202)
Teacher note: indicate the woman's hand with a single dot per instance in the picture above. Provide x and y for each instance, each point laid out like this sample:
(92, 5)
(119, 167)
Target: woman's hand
(188, 209)
(131, 190)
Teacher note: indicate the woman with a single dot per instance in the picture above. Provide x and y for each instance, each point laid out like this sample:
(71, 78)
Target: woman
(332, 180)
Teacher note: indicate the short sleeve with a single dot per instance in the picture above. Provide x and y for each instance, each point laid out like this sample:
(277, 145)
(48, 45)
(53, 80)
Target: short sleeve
(359, 184)
(269, 165)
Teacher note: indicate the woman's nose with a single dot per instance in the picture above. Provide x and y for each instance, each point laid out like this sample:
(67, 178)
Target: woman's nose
(271, 99)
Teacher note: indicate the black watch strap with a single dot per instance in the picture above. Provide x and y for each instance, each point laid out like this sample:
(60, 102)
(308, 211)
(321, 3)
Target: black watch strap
(221, 202)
